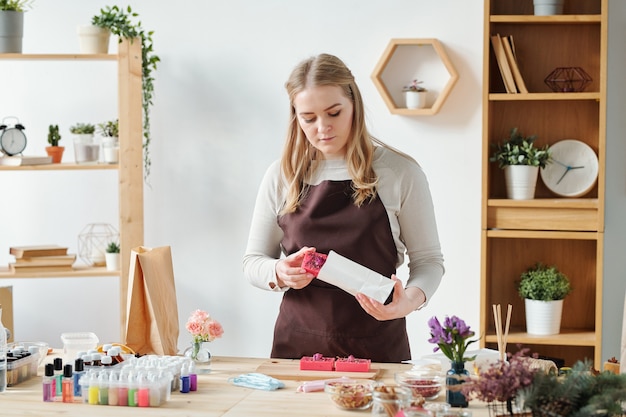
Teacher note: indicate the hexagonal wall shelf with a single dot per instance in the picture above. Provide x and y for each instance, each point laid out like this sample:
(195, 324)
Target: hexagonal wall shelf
(407, 59)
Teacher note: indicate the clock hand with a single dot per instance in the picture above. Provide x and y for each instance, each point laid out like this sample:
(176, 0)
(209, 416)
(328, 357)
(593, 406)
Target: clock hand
(560, 163)
(580, 166)
(566, 171)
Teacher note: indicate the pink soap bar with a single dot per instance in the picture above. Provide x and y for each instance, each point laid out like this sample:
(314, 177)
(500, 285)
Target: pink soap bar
(313, 262)
(316, 363)
(352, 364)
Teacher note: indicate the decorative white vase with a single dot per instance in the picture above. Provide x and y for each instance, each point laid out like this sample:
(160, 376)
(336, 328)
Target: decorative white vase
(85, 150)
(543, 318)
(548, 7)
(11, 31)
(93, 39)
(110, 150)
(112, 261)
(521, 181)
(415, 99)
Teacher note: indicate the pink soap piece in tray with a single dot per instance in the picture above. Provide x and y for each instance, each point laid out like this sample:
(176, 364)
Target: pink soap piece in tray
(316, 363)
(313, 262)
(352, 364)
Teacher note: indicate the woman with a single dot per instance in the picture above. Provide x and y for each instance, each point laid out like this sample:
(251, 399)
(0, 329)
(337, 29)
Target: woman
(338, 188)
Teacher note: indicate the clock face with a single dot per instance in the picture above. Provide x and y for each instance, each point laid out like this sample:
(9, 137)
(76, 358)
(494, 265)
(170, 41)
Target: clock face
(12, 141)
(573, 170)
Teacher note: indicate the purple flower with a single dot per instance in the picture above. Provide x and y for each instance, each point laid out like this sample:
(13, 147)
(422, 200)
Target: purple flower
(451, 338)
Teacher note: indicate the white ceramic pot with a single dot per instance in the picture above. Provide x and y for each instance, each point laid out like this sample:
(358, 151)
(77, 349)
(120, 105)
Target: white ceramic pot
(110, 150)
(415, 99)
(93, 39)
(548, 7)
(11, 31)
(521, 181)
(543, 318)
(85, 150)
(112, 261)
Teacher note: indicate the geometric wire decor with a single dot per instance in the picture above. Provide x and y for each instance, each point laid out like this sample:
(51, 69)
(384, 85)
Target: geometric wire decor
(93, 240)
(568, 79)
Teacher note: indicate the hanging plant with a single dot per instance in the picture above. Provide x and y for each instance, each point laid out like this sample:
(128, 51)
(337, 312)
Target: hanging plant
(118, 21)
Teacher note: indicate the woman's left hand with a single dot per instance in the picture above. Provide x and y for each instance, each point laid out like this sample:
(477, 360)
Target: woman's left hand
(404, 302)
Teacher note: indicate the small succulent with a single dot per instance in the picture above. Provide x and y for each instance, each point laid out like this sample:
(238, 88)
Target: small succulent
(53, 135)
(414, 86)
(82, 129)
(113, 247)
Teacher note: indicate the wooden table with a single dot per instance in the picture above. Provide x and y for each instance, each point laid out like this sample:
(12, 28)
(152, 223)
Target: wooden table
(215, 397)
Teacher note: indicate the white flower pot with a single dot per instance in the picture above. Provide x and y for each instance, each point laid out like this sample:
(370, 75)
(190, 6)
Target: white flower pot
(85, 150)
(548, 7)
(110, 150)
(543, 318)
(112, 261)
(521, 181)
(93, 39)
(415, 99)
(11, 31)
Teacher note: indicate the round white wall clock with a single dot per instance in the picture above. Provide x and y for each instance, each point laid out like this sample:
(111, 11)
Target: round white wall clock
(574, 168)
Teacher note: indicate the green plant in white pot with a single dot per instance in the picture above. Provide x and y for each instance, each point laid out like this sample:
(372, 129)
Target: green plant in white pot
(110, 131)
(520, 159)
(12, 24)
(543, 289)
(112, 256)
(85, 150)
(415, 95)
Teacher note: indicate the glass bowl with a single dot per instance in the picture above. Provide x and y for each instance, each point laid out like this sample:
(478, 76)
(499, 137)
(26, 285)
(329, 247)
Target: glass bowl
(42, 348)
(351, 394)
(427, 384)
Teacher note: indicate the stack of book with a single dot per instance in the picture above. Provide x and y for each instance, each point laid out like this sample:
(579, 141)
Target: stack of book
(42, 258)
(504, 50)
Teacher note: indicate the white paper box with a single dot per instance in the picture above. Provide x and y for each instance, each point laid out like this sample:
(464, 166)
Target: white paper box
(354, 278)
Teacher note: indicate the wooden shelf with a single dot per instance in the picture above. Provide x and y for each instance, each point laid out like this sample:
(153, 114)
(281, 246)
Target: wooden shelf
(565, 337)
(61, 167)
(406, 59)
(565, 232)
(130, 167)
(76, 272)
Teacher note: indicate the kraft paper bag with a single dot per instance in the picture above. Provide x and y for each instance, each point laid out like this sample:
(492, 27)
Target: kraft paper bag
(353, 277)
(152, 313)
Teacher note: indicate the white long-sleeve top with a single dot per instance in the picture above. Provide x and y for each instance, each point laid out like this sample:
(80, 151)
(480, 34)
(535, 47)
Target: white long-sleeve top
(402, 188)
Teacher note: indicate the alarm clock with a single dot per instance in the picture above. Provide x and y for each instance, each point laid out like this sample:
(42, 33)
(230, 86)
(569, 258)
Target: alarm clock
(12, 137)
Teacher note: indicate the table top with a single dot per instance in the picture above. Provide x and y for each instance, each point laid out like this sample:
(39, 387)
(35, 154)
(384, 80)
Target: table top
(215, 397)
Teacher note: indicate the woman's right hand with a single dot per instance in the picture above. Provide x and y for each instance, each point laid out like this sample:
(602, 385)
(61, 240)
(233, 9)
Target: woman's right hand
(289, 271)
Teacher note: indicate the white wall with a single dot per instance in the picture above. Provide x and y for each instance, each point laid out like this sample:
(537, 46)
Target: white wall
(218, 120)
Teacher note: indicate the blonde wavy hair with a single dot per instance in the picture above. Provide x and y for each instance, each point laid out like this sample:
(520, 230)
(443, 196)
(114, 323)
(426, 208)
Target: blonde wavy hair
(299, 154)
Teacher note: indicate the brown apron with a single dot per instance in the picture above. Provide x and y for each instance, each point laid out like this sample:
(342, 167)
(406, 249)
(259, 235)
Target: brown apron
(322, 318)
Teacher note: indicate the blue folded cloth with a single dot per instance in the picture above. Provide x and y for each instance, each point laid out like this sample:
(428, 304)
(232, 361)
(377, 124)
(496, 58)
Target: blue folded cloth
(257, 381)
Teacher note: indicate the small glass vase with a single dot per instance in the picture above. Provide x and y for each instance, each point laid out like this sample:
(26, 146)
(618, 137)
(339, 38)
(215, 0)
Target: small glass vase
(455, 377)
(199, 353)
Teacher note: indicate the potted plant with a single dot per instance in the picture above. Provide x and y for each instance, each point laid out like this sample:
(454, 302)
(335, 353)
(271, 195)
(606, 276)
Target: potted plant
(109, 131)
(54, 150)
(543, 289)
(112, 256)
(118, 21)
(85, 150)
(12, 24)
(415, 95)
(520, 159)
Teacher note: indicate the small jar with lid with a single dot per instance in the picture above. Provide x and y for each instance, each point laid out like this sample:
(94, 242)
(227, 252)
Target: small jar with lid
(388, 400)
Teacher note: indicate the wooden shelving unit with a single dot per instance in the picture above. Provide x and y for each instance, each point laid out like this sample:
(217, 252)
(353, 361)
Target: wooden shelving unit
(130, 166)
(566, 232)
